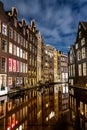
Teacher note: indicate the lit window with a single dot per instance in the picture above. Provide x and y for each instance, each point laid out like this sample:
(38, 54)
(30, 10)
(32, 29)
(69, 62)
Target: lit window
(14, 50)
(76, 46)
(81, 108)
(79, 70)
(84, 69)
(17, 66)
(4, 45)
(9, 80)
(21, 53)
(73, 69)
(26, 68)
(10, 47)
(14, 65)
(83, 53)
(10, 64)
(26, 44)
(78, 55)
(82, 41)
(4, 29)
(26, 55)
(18, 51)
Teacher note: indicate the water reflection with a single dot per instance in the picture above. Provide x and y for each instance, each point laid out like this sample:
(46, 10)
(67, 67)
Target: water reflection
(32, 111)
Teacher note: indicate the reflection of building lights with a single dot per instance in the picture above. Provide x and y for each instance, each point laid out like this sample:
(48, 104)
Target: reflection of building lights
(52, 114)
(82, 113)
(13, 125)
(47, 105)
(73, 116)
(46, 118)
(8, 128)
(20, 127)
(16, 122)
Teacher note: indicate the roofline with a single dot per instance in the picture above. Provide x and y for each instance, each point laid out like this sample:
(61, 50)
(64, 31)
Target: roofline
(83, 25)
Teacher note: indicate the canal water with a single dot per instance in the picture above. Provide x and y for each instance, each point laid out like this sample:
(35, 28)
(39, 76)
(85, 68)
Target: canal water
(32, 109)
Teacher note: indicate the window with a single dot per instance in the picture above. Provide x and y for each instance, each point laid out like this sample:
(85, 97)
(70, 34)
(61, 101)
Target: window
(21, 40)
(84, 69)
(10, 64)
(21, 66)
(83, 53)
(78, 55)
(10, 33)
(9, 80)
(82, 41)
(26, 68)
(69, 71)
(4, 45)
(73, 69)
(15, 36)
(81, 108)
(4, 29)
(79, 70)
(26, 44)
(18, 51)
(76, 46)
(14, 65)
(14, 50)
(3, 64)
(10, 47)
(26, 55)
(21, 53)
(17, 66)
(18, 38)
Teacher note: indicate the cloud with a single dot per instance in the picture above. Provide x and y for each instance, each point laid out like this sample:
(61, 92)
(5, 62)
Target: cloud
(56, 19)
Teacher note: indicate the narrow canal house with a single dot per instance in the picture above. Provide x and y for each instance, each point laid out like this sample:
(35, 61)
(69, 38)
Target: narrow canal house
(78, 78)
(17, 50)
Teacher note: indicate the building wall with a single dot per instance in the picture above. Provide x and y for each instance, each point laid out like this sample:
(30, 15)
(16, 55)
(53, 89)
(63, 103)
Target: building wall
(39, 55)
(55, 66)
(18, 50)
(48, 64)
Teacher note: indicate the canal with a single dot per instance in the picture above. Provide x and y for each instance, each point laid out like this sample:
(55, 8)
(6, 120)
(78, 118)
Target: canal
(33, 109)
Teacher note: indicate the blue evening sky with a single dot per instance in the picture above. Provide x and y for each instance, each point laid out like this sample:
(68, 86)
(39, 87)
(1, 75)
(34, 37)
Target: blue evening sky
(56, 19)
